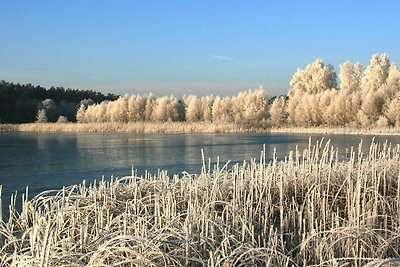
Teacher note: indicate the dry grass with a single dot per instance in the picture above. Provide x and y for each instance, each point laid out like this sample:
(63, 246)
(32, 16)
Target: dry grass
(308, 210)
(133, 127)
(184, 127)
(331, 130)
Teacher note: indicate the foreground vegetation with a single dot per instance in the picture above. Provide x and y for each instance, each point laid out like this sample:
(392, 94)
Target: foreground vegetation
(309, 209)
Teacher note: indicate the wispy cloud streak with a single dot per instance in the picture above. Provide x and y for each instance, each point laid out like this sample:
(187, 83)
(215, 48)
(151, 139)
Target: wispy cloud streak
(218, 57)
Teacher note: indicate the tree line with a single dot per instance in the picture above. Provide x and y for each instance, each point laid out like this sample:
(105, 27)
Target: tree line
(364, 97)
(358, 97)
(249, 108)
(367, 97)
(25, 103)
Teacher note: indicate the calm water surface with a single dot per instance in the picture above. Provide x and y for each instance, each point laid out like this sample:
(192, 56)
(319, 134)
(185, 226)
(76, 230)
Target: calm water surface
(45, 161)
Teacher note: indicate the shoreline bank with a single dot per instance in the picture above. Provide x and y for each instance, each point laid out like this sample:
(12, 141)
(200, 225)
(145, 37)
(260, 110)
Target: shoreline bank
(185, 127)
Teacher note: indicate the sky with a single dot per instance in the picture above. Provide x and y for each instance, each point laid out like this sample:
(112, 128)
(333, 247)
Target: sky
(187, 47)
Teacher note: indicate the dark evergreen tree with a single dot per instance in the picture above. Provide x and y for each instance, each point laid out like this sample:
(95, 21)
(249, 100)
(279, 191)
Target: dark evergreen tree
(21, 103)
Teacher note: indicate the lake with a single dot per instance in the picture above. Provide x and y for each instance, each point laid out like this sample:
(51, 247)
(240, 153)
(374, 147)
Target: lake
(45, 161)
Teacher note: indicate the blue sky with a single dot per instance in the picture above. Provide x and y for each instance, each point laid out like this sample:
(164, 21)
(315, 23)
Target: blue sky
(177, 47)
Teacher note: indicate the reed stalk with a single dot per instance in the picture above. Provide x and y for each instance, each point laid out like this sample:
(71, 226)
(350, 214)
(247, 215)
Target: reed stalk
(312, 208)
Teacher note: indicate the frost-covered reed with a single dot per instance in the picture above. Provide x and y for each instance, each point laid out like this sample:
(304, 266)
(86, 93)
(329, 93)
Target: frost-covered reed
(132, 127)
(186, 127)
(313, 208)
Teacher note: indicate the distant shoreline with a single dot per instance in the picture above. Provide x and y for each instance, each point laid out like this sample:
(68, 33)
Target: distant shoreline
(184, 127)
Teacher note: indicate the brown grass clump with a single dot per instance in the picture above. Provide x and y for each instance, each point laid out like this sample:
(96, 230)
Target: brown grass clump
(311, 209)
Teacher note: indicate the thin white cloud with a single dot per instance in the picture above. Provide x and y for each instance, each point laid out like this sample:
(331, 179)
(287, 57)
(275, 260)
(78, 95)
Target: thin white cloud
(221, 57)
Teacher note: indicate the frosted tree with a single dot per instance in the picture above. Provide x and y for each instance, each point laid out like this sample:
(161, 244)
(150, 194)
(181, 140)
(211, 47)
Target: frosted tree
(392, 85)
(303, 108)
(226, 110)
(393, 79)
(172, 109)
(376, 73)
(119, 109)
(97, 112)
(319, 104)
(90, 113)
(136, 108)
(222, 110)
(312, 116)
(249, 107)
(41, 116)
(338, 112)
(353, 106)
(62, 119)
(254, 106)
(295, 109)
(109, 111)
(392, 111)
(193, 108)
(206, 105)
(343, 108)
(165, 109)
(133, 108)
(148, 110)
(315, 78)
(277, 111)
(238, 106)
(80, 114)
(368, 97)
(217, 109)
(160, 109)
(326, 106)
(350, 77)
(102, 112)
(371, 109)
